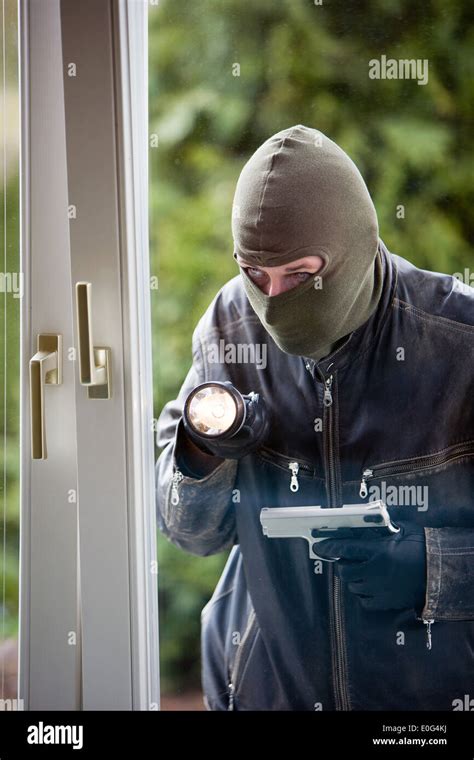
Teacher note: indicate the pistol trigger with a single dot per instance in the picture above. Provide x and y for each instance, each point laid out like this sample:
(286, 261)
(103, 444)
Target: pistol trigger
(313, 555)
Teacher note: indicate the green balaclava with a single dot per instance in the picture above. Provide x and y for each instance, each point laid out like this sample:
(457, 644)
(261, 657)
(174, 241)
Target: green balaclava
(300, 195)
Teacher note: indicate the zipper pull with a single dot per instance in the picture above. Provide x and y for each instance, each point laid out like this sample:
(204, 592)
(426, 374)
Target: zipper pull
(363, 491)
(327, 399)
(428, 624)
(294, 485)
(231, 696)
(175, 481)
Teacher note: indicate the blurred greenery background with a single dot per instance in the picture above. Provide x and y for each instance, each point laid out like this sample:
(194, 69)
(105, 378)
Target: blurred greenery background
(300, 62)
(9, 327)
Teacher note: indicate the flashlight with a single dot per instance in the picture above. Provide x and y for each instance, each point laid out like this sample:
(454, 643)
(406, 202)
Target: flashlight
(215, 410)
(224, 422)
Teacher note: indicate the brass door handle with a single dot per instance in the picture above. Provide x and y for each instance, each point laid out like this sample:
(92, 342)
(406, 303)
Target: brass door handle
(45, 369)
(95, 362)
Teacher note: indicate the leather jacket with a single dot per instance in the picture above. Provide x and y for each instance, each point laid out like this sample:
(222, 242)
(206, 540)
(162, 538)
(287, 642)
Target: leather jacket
(389, 414)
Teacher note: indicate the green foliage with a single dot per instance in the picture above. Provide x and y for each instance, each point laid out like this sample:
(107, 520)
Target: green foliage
(9, 335)
(185, 584)
(299, 63)
(9, 415)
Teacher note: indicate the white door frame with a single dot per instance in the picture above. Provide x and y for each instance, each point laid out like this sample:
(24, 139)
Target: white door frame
(49, 665)
(88, 568)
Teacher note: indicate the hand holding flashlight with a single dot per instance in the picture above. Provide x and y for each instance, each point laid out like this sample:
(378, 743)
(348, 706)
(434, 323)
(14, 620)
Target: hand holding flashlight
(223, 422)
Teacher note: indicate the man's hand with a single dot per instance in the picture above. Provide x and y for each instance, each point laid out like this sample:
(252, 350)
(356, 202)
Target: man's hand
(386, 573)
(250, 436)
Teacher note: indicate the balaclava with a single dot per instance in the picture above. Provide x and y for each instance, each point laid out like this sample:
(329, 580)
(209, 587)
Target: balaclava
(299, 195)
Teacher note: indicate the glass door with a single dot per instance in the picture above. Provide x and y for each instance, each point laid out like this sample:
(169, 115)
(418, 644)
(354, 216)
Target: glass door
(89, 619)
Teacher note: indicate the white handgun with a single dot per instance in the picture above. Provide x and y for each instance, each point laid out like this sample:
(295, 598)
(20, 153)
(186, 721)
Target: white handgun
(317, 523)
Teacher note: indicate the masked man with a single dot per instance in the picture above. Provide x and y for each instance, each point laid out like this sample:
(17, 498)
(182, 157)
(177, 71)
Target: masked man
(366, 371)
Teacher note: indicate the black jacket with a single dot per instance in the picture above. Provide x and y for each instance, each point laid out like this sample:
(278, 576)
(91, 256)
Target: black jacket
(281, 632)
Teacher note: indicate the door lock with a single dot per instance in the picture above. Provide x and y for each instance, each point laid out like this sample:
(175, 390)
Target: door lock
(95, 362)
(45, 369)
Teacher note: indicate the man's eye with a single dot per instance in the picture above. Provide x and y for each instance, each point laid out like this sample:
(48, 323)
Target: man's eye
(254, 273)
(301, 276)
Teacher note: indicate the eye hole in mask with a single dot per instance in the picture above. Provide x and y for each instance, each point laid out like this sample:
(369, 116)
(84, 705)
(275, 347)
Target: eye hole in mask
(261, 278)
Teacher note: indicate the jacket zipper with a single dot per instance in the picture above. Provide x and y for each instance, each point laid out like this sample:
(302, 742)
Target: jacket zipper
(230, 705)
(296, 467)
(294, 483)
(428, 623)
(233, 674)
(175, 481)
(342, 702)
(416, 465)
(327, 398)
(328, 401)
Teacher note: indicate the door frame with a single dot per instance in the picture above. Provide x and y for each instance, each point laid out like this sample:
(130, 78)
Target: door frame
(89, 569)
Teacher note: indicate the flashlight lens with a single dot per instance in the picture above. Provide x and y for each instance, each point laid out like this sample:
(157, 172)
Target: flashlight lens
(212, 410)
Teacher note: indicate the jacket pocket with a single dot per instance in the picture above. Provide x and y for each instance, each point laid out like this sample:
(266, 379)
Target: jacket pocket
(437, 606)
(415, 464)
(237, 673)
(242, 656)
(296, 467)
(225, 623)
(450, 577)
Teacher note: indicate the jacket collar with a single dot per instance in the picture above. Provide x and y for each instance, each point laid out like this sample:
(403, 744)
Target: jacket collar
(359, 341)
